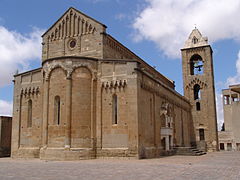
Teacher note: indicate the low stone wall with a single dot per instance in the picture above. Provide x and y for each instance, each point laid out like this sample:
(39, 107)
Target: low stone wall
(116, 153)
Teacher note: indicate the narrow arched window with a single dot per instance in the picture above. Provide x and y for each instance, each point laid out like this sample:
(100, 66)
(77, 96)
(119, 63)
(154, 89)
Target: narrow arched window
(196, 92)
(196, 65)
(29, 120)
(198, 107)
(57, 108)
(194, 40)
(115, 109)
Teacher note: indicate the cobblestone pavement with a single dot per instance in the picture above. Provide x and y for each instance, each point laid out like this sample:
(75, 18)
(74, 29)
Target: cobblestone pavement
(219, 165)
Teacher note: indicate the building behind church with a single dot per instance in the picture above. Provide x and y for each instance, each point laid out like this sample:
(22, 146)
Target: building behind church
(229, 137)
(93, 98)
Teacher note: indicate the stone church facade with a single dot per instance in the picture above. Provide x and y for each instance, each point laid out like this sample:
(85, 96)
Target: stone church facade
(94, 98)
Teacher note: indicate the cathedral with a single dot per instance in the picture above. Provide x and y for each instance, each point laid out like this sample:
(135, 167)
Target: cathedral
(93, 97)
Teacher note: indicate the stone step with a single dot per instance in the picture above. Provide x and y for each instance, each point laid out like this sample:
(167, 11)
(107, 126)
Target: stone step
(189, 151)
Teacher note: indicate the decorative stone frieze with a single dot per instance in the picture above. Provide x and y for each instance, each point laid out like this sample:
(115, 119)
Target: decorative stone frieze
(196, 81)
(71, 25)
(30, 91)
(114, 84)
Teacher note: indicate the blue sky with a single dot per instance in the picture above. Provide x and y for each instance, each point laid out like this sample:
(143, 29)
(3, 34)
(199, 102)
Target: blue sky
(154, 29)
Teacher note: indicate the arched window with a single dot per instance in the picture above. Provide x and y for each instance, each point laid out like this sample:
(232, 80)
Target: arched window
(115, 109)
(29, 120)
(196, 92)
(57, 108)
(198, 107)
(196, 65)
(194, 40)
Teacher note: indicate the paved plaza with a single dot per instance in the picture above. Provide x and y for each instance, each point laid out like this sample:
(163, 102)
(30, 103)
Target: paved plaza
(219, 165)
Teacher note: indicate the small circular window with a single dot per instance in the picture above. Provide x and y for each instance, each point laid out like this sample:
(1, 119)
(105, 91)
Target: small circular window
(72, 43)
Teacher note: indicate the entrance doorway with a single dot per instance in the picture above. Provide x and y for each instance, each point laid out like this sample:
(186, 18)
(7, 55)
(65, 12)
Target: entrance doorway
(221, 146)
(229, 146)
(163, 142)
(238, 146)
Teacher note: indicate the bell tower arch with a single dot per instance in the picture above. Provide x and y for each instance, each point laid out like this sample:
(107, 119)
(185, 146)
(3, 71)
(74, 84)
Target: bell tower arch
(198, 83)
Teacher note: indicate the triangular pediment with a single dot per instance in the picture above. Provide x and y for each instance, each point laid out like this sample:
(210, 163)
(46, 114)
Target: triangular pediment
(74, 23)
(196, 39)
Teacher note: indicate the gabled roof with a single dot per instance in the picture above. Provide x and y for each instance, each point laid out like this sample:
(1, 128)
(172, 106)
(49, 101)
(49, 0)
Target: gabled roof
(196, 39)
(77, 11)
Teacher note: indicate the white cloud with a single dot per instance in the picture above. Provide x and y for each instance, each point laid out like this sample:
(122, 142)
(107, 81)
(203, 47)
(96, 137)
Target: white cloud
(235, 79)
(120, 16)
(6, 108)
(16, 52)
(169, 22)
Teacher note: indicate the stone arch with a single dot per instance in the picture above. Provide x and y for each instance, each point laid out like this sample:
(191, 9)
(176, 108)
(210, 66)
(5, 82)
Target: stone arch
(81, 107)
(52, 68)
(89, 67)
(197, 92)
(196, 81)
(49, 68)
(196, 64)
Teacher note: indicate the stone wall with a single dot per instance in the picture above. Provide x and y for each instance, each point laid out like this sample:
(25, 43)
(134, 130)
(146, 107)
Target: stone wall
(118, 78)
(27, 114)
(152, 95)
(57, 87)
(81, 108)
(5, 136)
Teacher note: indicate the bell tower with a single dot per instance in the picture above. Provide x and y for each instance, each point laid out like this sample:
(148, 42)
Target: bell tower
(198, 83)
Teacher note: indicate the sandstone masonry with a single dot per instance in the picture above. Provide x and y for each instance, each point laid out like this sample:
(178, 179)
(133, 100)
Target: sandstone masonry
(94, 98)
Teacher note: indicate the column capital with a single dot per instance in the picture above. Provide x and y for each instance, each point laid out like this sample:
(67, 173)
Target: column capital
(69, 75)
(46, 78)
(69, 78)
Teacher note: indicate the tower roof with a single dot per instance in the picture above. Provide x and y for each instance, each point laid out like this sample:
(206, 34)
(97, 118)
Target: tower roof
(195, 39)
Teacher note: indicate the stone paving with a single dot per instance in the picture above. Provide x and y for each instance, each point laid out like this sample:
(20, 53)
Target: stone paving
(218, 165)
